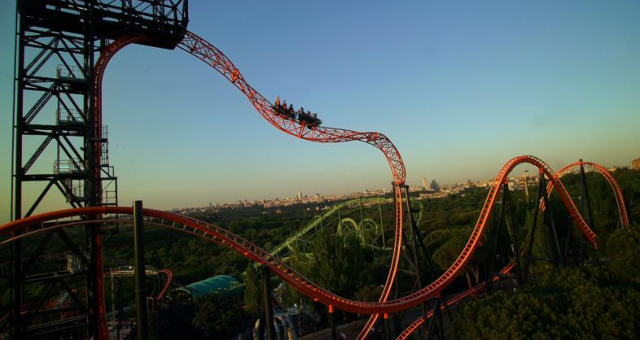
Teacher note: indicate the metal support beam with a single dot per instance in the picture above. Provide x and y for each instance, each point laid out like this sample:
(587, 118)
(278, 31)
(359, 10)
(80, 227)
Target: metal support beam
(384, 241)
(18, 132)
(626, 203)
(268, 306)
(513, 234)
(584, 201)
(435, 324)
(494, 250)
(120, 299)
(332, 323)
(56, 46)
(528, 254)
(387, 328)
(415, 233)
(141, 290)
(554, 244)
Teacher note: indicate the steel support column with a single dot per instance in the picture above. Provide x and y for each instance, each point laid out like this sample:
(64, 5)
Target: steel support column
(529, 250)
(332, 323)
(141, 289)
(494, 249)
(387, 327)
(513, 234)
(268, 306)
(554, 244)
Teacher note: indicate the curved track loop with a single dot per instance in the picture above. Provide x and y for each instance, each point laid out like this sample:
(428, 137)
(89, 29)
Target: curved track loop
(167, 285)
(617, 190)
(624, 220)
(485, 213)
(223, 237)
(318, 221)
(167, 273)
(213, 57)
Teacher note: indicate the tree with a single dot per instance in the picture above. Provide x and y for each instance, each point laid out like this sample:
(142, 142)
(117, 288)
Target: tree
(337, 263)
(219, 318)
(622, 249)
(590, 302)
(447, 244)
(252, 293)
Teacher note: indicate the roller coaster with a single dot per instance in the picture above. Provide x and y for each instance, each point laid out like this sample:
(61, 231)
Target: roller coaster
(129, 271)
(370, 230)
(60, 219)
(93, 217)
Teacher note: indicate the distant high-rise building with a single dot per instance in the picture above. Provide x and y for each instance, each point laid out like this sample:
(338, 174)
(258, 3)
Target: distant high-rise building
(435, 186)
(425, 183)
(299, 195)
(635, 164)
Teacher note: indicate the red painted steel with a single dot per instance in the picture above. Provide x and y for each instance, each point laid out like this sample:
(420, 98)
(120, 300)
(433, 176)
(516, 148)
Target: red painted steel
(213, 57)
(165, 288)
(167, 284)
(101, 64)
(288, 274)
(624, 220)
(617, 190)
(481, 287)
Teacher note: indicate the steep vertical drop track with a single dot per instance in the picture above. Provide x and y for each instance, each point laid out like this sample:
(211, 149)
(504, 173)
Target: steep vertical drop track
(60, 219)
(213, 57)
(205, 51)
(608, 176)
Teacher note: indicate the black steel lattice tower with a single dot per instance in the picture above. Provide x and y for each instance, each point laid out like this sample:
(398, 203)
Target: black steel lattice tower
(59, 146)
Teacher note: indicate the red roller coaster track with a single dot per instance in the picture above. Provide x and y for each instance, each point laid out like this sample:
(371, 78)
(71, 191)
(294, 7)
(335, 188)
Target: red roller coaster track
(205, 51)
(100, 67)
(35, 224)
(165, 288)
(624, 220)
(213, 57)
(208, 53)
(617, 190)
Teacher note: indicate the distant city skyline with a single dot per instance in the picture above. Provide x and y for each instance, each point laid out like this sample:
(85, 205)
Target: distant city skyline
(514, 177)
(460, 88)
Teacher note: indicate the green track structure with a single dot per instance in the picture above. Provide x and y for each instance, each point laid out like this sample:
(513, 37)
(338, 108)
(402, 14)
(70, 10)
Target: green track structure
(348, 224)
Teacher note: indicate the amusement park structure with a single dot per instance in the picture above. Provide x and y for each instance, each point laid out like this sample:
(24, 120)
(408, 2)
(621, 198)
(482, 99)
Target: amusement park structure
(73, 33)
(57, 72)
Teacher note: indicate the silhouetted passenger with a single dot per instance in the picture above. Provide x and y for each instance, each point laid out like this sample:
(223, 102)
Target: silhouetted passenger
(276, 106)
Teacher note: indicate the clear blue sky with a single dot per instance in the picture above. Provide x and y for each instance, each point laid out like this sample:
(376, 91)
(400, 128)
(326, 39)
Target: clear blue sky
(460, 87)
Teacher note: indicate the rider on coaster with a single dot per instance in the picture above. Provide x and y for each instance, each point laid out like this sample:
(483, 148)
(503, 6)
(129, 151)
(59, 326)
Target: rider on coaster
(305, 117)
